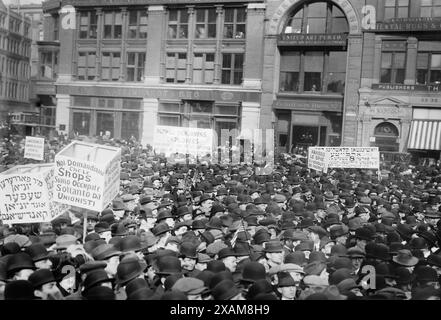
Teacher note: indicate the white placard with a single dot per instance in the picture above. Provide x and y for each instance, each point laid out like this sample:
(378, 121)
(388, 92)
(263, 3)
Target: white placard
(193, 141)
(34, 148)
(26, 195)
(317, 159)
(351, 157)
(87, 175)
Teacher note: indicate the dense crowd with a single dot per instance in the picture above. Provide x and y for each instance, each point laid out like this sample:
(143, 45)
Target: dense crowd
(204, 231)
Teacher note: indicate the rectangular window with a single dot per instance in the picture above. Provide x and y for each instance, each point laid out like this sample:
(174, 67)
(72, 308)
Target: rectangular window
(176, 67)
(110, 66)
(169, 120)
(130, 125)
(48, 65)
(430, 8)
(86, 66)
(112, 25)
(81, 123)
(138, 24)
(313, 64)
(316, 18)
(234, 23)
(203, 68)
(396, 9)
(232, 68)
(336, 71)
(393, 62)
(135, 66)
(289, 71)
(88, 25)
(428, 68)
(205, 23)
(178, 24)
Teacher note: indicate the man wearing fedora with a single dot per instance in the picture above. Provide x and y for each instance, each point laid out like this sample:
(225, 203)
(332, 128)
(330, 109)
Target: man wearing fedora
(274, 253)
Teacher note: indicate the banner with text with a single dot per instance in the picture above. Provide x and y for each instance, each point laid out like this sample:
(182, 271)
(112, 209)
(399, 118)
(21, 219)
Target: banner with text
(26, 195)
(34, 148)
(87, 175)
(193, 141)
(317, 159)
(351, 157)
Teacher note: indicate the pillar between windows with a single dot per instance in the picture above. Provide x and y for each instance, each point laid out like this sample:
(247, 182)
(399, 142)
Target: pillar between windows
(99, 15)
(218, 57)
(190, 36)
(377, 59)
(411, 65)
(122, 60)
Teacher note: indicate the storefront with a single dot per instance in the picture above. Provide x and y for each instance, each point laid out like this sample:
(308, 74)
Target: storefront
(123, 113)
(313, 50)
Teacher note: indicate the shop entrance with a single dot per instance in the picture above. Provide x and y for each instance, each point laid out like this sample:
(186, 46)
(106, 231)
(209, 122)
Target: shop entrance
(307, 136)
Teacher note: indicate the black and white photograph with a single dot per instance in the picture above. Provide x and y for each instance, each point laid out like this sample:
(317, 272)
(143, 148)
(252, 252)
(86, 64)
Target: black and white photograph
(237, 152)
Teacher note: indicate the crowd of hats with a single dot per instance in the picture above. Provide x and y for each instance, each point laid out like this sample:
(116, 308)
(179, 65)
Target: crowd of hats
(181, 231)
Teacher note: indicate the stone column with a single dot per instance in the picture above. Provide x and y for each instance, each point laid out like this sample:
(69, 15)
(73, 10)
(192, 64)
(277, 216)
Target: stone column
(411, 61)
(353, 73)
(269, 74)
(219, 35)
(123, 59)
(377, 60)
(63, 113)
(404, 133)
(190, 35)
(254, 46)
(67, 51)
(99, 37)
(150, 115)
(155, 33)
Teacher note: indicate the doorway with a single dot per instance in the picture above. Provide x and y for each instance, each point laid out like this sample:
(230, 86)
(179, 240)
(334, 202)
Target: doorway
(307, 136)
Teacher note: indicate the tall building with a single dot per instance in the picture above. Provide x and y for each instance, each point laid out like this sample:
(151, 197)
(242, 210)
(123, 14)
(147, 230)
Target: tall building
(400, 100)
(15, 53)
(126, 68)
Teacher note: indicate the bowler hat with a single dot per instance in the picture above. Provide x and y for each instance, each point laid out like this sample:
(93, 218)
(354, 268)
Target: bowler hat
(19, 261)
(127, 270)
(253, 271)
(167, 265)
(160, 228)
(188, 250)
(272, 247)
(41, 277)
(19, 290)
(364, 234)
(131, 243)
(425, 274)
(226, 252)
(225, 290)
(434, 260)
(38, 252)
(338, 230)
(100, 293)
(105, 251)
(90, 266)
(118, 229)
(94, 278)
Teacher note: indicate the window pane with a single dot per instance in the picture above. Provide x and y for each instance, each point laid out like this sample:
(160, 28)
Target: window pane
(200, 15)
(316, 25)
(197, 63)
(173, 16)
(229, 15)
(336, 82)
(141, 60)
(133, 18)
(312, 81)
(226, 74)
(290, 61)
(131, 59)
(400, 76)
(169, 121)
(317, 9)
(184, 16)
(130, 74)
(289, 81)
(211, 15)
(386, 60)
(422, 76)
(426, 12)
(435, 76)
(130, 125)
(400, 60)
(118, 18)
(386, 75)
(314, 61)
(389, 13)
(422, 60)
(436, 61)
(238, 61)
(337, 61)
(226, 61)
(241, 15)
(403, 12)
(81, 122)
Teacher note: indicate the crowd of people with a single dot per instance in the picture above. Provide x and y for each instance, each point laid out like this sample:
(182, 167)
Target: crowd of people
(201, 231)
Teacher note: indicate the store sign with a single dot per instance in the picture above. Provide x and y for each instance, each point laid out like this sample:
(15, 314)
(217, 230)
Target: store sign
(334, 106)
(26, 195)
(161, 93)
(409, 24)
(407, 87)
(299, 39)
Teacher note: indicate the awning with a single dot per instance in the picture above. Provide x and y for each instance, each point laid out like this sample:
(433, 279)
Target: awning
(425, 135)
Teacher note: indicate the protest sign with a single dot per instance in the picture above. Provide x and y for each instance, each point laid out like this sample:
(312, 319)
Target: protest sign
(317, 159)
(34, 148)
(353, 157)
(87, 175)
(193, 141)
(26, 195)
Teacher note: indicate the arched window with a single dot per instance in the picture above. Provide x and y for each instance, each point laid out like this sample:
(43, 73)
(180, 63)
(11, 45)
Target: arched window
(386, 137)
(317, 17)
(314, 67)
